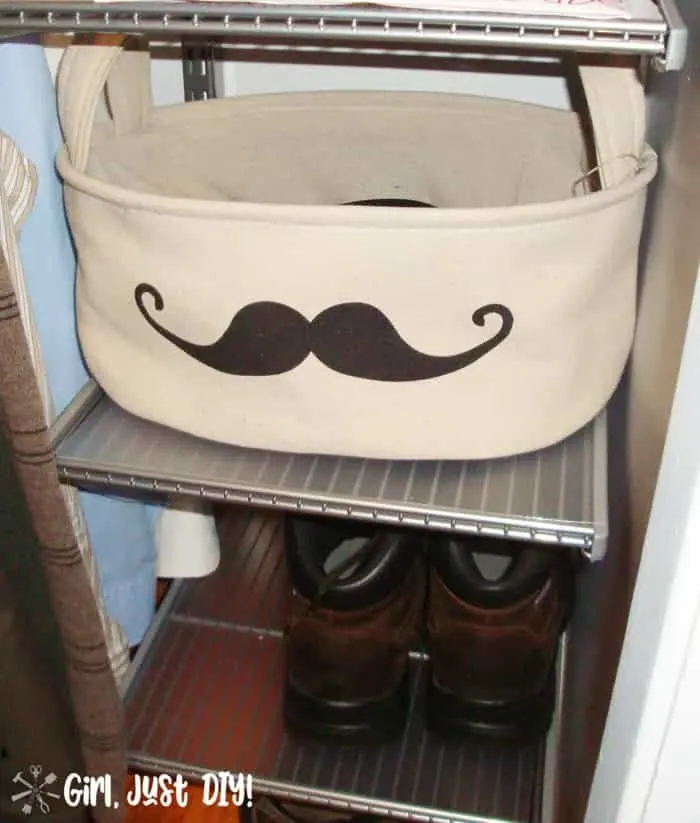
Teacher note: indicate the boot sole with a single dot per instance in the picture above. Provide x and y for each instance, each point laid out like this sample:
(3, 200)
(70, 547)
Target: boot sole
(518, 721)
(374, 721)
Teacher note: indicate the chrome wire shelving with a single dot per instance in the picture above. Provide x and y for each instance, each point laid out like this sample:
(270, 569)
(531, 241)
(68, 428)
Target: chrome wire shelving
(557, 496)
(654, 30)
(204, 692)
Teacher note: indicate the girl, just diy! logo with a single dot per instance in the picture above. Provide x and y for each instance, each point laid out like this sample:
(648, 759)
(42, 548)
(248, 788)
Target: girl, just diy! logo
(38, 792)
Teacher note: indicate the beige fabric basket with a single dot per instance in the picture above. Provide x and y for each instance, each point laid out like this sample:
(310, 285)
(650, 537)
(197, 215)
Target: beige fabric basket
(224, 290)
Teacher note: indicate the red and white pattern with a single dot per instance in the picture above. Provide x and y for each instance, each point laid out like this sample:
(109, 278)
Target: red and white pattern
(588, 9)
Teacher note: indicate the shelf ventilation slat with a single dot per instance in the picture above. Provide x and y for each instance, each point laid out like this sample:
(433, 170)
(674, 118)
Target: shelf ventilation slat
(556, 496)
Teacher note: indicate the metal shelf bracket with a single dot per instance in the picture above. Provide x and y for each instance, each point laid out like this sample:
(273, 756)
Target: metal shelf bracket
(676, 50)
(200, 70)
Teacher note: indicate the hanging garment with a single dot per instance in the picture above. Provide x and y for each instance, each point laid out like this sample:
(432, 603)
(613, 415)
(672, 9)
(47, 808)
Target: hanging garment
(96, 701)
(121, 532)
(18, 184)
(38, 743)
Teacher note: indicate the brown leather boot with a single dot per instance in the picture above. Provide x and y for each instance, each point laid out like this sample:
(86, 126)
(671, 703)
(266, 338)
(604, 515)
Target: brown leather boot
(493, 637)
(358, 597)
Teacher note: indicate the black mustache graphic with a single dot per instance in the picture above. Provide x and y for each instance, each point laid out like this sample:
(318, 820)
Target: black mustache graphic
(396, 202)
(355, 339)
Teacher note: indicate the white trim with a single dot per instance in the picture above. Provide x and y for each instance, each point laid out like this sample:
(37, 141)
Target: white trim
(675, 791)
(662, 617)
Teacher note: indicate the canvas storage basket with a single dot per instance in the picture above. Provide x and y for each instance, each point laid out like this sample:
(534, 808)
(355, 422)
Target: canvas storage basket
(226, 291)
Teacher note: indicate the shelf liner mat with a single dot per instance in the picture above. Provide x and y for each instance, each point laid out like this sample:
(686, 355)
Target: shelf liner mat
(209, 696)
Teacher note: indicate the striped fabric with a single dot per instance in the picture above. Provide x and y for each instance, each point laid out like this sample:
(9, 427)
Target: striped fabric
(120, 529)
(94, 649)
(17, 186)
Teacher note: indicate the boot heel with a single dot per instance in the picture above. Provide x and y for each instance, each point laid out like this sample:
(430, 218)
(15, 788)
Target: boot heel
(375, 721)
(517, 721)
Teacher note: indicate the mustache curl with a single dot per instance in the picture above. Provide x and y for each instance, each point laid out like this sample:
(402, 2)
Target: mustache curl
(267, 338)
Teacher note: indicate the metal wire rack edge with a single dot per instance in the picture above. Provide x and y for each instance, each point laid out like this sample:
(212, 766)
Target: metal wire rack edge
(565, 534)
(319, 797)
(454, 28)
(460, 522)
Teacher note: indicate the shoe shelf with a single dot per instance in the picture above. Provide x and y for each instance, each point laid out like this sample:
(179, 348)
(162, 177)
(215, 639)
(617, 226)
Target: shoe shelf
(652, 29)
(205, 694)
(557, 496)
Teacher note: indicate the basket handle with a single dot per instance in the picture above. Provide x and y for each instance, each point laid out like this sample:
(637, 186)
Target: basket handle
(619, 141)
(86, 69)
(84, 72)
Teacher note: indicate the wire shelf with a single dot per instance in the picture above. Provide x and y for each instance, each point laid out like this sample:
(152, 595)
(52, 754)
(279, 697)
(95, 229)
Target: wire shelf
(556, 496)
(358, 28)
(206, 696)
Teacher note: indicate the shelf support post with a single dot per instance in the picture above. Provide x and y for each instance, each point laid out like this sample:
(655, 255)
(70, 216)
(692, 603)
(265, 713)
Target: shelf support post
(199, 74)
